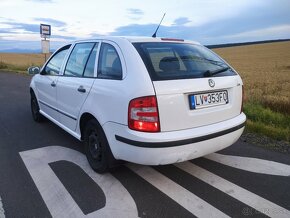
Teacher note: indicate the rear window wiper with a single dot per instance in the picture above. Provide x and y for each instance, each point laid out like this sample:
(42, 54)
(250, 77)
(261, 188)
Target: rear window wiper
(191, 57)
(210, 73)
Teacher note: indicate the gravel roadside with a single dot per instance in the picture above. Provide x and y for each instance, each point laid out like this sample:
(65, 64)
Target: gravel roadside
(266, 142)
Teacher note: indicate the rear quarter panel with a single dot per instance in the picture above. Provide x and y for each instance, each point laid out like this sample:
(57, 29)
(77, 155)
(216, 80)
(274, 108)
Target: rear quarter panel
(108, 99)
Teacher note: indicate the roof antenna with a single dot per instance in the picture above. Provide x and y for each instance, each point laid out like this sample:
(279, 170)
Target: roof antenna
(154, 35)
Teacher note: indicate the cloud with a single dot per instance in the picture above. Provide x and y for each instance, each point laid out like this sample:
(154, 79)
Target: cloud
(205, 35)
(135, 30)
(70, 38)
(277, 32)
(181, 21)
(203, 21)
(7, 30)
(18, 27)
(264, 21)
(41, 1)
(50, 21)
(135, 11)
(95, 35)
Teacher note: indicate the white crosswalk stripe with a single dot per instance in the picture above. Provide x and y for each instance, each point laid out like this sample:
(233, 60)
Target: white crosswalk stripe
(186, 199)
(241, 194)
(252, 164)
(119, 201)
(2, 212)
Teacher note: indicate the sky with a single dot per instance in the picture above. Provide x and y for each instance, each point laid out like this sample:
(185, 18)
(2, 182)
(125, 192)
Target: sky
(207, 21)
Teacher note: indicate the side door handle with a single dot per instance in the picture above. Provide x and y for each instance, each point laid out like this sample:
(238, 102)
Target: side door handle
(82, 89)
(53, 84)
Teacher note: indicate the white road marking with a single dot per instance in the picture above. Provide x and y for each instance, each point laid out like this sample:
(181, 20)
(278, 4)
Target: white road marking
(241, 194)
(252, 164)
(119, 202)
(2, 212)
(186, 199)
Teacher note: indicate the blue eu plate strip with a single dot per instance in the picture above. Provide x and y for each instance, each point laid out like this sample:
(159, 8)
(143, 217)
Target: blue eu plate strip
(192, 102)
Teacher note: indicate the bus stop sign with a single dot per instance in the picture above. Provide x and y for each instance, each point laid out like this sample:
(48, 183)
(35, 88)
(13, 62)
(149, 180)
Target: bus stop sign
(45, 30)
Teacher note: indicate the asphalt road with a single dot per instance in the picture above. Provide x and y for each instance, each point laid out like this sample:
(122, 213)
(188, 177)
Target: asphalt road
(43, 173)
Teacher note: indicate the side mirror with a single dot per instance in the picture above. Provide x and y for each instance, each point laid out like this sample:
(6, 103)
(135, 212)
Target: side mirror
(33, 70)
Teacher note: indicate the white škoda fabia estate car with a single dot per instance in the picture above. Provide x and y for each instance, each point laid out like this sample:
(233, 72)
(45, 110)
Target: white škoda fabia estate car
(144, 100)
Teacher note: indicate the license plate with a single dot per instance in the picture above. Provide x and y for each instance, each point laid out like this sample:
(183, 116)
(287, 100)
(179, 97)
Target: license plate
(209, 99)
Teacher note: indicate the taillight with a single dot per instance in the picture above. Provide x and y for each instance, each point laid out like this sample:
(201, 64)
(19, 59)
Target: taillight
(243, 99)
(143, 114)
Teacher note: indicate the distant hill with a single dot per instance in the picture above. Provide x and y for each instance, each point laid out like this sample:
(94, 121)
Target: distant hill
(245, 43)
(20, 50)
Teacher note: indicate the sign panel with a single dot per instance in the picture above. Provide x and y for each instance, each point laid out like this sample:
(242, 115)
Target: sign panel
(45, 30)
(45, 46)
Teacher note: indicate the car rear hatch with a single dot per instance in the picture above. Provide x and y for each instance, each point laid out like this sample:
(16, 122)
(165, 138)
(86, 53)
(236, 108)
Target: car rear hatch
(194, 87)
(183, 104)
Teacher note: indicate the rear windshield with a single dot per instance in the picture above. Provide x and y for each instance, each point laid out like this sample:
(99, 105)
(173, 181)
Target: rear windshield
(168, 61)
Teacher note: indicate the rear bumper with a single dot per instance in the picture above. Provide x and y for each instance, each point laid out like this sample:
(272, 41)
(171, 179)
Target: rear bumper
(175, 146)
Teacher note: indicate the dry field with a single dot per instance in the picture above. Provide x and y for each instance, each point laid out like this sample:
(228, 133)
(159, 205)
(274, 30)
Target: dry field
(20, 62)
(265, 69)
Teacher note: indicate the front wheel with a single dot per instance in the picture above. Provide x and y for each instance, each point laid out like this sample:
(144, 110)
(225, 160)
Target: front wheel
(97, 149)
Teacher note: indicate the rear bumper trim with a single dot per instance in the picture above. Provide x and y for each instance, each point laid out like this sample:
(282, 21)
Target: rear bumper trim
(179, 142)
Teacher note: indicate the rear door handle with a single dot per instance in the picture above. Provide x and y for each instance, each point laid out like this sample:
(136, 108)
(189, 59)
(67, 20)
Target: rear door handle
(82, 89)
(53, 84)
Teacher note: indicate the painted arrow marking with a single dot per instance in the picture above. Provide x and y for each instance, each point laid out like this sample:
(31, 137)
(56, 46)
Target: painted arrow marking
(119, 202)
(2, 212)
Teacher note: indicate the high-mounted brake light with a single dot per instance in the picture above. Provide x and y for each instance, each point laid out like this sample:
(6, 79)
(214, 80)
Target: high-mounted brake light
(143, 114)
(172, 39)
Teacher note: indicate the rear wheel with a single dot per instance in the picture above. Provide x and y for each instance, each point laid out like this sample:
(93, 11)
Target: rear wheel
(36, 115)
(97, 149)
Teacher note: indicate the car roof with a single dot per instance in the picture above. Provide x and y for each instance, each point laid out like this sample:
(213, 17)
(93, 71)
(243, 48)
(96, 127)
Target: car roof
(134, 39)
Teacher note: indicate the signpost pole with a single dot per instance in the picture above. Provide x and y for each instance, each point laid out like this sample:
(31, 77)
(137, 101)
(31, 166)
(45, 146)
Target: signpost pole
(44, 53)
(45, 32)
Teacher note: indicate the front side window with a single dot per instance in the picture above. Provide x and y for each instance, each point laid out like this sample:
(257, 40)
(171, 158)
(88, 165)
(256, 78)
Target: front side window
(169, 61)
(109, 65)
(54, 65)
(78, 59)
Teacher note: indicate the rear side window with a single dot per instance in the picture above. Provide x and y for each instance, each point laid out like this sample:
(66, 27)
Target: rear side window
(78, 59)
(169, 61)
(109, 65)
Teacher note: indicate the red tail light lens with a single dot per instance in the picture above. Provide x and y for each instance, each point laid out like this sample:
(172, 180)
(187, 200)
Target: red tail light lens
(243, 99)
(143, 114)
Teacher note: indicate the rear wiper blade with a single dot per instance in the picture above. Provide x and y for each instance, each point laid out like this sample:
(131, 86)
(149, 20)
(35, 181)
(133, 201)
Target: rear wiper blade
(191, 57)
(210, 73)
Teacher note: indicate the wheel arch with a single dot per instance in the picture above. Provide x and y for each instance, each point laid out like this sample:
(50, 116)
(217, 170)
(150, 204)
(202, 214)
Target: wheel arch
(32, 91)
(83, 121)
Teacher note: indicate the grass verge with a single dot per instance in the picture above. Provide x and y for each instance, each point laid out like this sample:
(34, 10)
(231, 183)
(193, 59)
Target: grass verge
(267, 122)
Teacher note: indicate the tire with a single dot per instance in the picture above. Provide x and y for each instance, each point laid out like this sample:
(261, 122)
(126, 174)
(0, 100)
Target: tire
(36, 115)
(97, 148)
